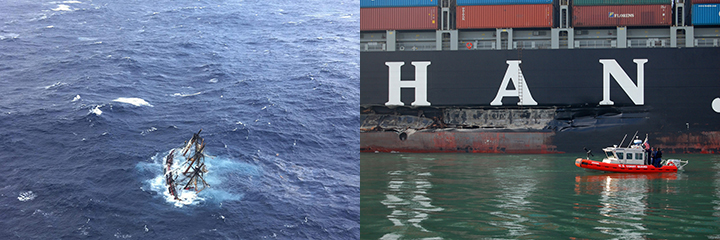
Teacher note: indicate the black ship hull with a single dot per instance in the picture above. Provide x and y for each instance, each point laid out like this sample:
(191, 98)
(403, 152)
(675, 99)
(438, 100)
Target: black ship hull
(565, 99)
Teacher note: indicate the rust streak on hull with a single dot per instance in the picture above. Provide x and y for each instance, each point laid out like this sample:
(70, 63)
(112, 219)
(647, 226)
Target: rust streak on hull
(459, 141)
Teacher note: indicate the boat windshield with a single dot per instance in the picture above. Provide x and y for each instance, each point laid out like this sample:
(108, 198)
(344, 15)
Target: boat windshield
(609, 154)
(619, 155)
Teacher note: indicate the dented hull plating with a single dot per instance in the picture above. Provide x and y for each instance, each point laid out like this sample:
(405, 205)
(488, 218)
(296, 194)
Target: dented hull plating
(539, 101)
(483, 141)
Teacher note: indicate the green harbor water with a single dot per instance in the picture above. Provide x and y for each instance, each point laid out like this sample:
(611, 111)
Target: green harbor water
(480, 196)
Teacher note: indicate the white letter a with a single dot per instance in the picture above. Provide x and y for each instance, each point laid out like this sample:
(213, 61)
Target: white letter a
(521, 89)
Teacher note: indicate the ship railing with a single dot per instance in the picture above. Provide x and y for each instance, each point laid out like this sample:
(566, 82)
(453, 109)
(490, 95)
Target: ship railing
(648, 43)
(418, 46)
(531, 45)
(372, 46)
(476, 45)
(602, 43)
(707, 42)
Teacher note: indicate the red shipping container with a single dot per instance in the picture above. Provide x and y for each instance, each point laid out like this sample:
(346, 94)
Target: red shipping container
(505, 16)
(398, 18)
(622, 15)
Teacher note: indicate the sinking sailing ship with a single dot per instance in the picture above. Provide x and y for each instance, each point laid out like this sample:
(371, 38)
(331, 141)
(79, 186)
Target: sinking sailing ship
(188, 175)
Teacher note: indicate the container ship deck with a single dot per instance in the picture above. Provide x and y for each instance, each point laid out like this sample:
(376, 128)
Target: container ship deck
(539, 76)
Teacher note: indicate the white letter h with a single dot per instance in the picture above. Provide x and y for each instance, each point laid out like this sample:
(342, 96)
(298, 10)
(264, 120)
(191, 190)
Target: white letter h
(395, 84)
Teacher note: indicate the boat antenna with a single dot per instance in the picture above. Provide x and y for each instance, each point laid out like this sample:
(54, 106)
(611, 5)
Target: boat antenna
(589, 152)
(636, 132)
(621, 142)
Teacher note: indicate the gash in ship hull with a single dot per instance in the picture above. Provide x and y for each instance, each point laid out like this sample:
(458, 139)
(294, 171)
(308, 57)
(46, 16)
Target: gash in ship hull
(540, 101)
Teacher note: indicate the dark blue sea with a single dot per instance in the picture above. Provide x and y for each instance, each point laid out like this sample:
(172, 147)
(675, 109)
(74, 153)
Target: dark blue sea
(94, 94)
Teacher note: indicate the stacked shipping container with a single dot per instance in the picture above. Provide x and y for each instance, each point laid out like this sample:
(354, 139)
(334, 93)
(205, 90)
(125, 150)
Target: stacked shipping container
(611, 13)
(478, 14)
(706, 12)
(378, 15)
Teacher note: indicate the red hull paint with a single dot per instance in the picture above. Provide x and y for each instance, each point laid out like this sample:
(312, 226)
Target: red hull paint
(452, 141)
(622, 168)
(459, 141)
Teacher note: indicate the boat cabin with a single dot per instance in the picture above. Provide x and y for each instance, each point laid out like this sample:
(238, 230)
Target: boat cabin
(620, 155)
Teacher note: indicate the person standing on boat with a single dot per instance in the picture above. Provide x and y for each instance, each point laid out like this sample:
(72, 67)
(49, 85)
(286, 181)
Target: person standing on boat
(651, 156)
(658, 158)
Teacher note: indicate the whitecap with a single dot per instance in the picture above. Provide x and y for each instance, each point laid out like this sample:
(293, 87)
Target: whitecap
(186, 94)
(119, 235)
(96, 110)
(213, 80)
(134, 101)
(152, 129)
(9, 36)
(86, 39)
(62, 7)
(51, 26)
(76, 98)
(57, 84)
(26, 196)
(72, 2)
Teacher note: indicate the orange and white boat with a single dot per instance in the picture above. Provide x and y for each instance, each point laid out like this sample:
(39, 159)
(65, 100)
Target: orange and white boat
(631, 159)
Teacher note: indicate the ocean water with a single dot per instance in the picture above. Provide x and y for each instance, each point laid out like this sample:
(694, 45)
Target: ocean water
(505, 196)
(94, 94)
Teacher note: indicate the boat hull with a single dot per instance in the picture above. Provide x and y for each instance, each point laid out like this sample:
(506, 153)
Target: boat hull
(622, 168)
(571, 100)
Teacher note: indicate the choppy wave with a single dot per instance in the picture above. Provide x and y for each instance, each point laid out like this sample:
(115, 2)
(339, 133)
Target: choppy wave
(133, 101)
(27, 196)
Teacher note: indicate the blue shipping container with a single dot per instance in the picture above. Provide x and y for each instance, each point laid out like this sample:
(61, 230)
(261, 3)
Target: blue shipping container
(501, 2)
(397, 3)
(706, 14)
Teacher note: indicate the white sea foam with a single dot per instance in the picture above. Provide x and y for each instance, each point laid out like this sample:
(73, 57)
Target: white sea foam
(55, 85)
(26, 196)
(186, 94)
(62, 7)
(72, 2)
(219, 169)
(96, 110)
(185, 197)
(76, 98)
(119, 235)
(152, 129)
(134, 101)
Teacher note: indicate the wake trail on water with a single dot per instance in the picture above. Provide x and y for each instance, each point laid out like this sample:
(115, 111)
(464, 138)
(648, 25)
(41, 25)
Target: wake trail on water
(221, 176)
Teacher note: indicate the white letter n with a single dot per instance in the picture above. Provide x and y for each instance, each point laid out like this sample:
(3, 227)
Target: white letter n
(636, 93)
(395, 84)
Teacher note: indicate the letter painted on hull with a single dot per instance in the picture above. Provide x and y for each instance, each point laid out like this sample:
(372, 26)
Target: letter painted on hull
(635, 92)
(395, 84)
(521, 90)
